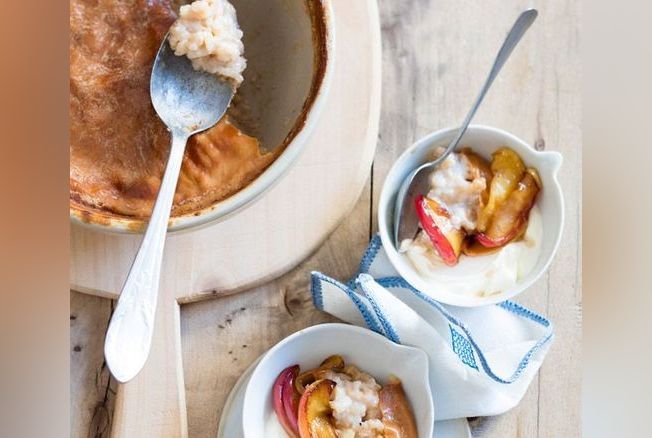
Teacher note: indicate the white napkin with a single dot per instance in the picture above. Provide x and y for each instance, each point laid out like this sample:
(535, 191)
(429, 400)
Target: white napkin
(481, 359)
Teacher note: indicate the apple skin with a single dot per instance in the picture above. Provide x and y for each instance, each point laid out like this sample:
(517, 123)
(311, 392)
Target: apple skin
(433, 218)
(491, 244)
(315, 411)
(284, 381)
(498, 242)
(510, 219)
(291, 400)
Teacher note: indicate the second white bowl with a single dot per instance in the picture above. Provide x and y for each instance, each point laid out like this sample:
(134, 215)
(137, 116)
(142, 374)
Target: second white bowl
(367, 350)
(482, 140)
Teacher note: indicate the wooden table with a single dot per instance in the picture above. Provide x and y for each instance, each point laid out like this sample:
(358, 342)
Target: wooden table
(436, 53)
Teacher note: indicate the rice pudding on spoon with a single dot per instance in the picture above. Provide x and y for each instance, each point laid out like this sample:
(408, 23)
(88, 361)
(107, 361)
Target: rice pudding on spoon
(207, 32)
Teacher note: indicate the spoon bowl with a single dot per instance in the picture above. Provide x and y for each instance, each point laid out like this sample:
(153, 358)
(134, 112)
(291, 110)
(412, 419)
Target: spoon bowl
(185, 99)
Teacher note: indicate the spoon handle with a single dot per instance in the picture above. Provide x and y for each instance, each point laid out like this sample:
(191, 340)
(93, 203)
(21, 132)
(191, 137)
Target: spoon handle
(129, 335)
(521, 25)
(406, 222)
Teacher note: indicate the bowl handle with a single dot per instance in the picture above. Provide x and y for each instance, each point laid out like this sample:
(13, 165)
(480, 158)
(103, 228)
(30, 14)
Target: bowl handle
(554, 160)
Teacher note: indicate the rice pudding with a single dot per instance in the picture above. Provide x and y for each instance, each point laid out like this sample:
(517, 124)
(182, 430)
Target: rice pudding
(355, 404)
(207, 32)
(458, 186)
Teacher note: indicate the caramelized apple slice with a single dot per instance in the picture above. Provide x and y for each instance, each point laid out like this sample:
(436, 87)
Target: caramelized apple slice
(397, 416)
(510, 220)
(285, 401)
(436, 223)
(507, 168)
(334, 362)
(472, 248)
(291, 401)
(315, 411)
(479, 168)
(303, 380)
(532, 171)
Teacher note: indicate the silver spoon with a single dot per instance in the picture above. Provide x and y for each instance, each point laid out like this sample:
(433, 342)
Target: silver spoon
(406, 222)
(188, 102)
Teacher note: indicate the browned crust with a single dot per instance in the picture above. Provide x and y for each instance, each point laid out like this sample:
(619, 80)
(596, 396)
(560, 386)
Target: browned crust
(318, 14)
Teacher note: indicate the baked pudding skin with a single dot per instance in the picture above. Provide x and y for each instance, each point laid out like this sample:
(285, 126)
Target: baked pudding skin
(119, 146)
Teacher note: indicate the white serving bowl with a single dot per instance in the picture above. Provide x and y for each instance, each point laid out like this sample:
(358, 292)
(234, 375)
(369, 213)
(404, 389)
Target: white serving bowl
(483, 140)
(367, 350)
(289, 46)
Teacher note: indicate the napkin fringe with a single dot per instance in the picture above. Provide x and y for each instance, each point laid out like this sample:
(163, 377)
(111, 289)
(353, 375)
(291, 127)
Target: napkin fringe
(370, 254)
(318, 299)
(363, 281)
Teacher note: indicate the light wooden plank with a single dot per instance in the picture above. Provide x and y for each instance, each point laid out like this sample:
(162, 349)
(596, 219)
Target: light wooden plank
(154, 402)
(91, 392)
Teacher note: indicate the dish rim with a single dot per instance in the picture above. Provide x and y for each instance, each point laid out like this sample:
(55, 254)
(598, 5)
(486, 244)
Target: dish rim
(422, 357)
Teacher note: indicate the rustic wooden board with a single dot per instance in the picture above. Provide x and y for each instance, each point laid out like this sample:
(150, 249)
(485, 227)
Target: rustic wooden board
(435, 56)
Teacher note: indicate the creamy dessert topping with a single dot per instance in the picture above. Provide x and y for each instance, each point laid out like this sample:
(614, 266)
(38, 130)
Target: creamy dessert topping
(208, 33)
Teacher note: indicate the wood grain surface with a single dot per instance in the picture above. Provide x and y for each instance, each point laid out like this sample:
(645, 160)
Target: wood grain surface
(436, 54)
